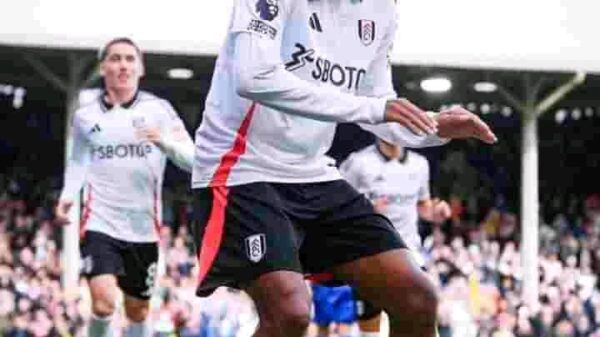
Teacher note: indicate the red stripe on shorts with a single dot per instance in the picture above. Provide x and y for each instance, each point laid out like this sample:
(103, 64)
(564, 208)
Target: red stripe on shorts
(85, 216)
(155, 216)
(213, 234)
(320, 277)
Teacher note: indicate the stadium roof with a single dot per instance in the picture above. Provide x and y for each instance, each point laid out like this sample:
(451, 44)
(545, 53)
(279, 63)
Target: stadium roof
(536, 35)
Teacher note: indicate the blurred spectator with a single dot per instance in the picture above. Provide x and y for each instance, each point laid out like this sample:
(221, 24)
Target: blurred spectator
(489, 267)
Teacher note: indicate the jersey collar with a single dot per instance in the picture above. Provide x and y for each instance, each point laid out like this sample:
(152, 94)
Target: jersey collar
(127, 105)
(385, 158)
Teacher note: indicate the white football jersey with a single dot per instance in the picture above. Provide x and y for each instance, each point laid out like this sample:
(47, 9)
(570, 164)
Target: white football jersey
(400, 183)
(290, 70)
(122, 175)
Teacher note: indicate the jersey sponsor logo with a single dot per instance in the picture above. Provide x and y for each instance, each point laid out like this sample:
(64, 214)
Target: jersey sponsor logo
(314, 23)
(256, 247)
(267, 9)
(393, 199)
(262, 28)
(299, 58)
(325, 70)
(366, 31)
(121, 151)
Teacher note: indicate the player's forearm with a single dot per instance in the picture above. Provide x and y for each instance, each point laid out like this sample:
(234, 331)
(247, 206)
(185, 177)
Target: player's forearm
(73, 180)
(270, 84)
(394, 133)
(77, 165)
(181, 153)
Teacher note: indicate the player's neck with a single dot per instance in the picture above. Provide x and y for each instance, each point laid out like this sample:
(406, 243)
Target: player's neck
(391, 152)
(119, 97)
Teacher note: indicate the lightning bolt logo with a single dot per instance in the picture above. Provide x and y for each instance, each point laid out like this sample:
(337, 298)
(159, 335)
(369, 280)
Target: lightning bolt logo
(299, 58)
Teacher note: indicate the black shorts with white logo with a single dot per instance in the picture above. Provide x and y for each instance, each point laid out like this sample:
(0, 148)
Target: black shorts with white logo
(133, 263)
(248, 230)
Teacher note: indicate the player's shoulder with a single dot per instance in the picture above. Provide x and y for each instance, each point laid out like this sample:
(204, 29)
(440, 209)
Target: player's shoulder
(418, 158)
(367, 154)
(90, 108)
(385, 4)
(145, 97)
(149, 100)
(383, 8)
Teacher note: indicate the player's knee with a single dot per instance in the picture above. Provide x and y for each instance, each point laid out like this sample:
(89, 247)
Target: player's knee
(418, 304)
(137, 311)
(103, 307)
(297, 316)
(137, 315)
(295, 319)
(292, 316)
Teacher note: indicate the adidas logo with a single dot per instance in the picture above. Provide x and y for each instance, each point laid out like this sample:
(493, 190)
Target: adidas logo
(315, 23)
(96, 128)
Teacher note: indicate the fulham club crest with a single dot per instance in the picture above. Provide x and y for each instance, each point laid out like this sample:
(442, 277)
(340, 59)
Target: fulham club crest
(138, 122)
(256, 247)
(366, 31)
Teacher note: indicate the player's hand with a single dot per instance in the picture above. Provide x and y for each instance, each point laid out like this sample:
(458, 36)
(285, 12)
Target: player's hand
(61, 212)
(402, 111)
(441, 211)
(457, 123)
(150, 134)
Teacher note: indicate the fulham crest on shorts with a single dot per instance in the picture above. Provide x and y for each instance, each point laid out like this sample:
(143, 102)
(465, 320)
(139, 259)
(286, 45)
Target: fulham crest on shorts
(256, 247)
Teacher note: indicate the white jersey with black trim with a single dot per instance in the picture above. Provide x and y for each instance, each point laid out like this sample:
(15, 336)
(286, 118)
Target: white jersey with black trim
(122, 175)
(288, 71)
(401, 184)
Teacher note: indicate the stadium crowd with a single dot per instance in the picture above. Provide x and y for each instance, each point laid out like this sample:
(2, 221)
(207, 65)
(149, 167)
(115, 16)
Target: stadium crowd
(474, 263)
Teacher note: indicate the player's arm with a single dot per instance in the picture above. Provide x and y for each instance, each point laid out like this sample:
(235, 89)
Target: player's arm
(452, 123)
(264, 79)
(75, 172)
(172, 138)
(432, 210)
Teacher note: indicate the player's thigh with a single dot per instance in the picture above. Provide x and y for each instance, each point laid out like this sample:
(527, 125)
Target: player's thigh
(101, 264)
(104, 290)
(241, 233)
(367, 313)
(140, 260)
(391, 280)
(100, 254)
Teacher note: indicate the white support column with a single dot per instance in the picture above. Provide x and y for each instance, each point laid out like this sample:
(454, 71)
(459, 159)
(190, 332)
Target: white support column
(530, 209)
(70, 254)
(70, 86)
(531, 109)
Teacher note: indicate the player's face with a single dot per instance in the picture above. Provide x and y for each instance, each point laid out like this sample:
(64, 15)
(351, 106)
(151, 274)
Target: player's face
(122, 67)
